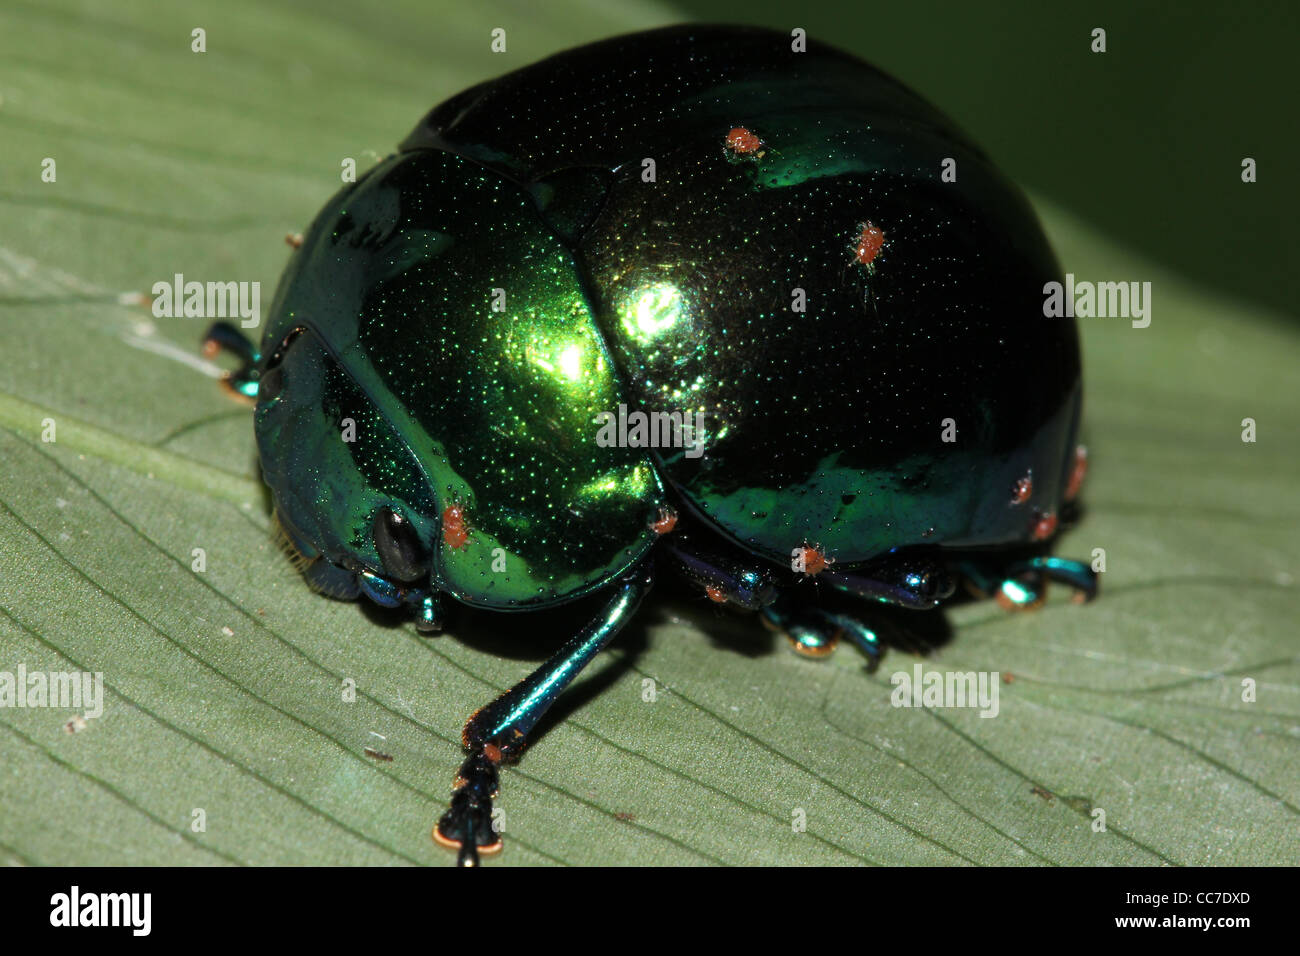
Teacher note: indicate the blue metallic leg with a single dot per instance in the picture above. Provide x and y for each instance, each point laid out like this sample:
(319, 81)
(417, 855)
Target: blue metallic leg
(814, 632)
(1076, 574)
(428, 612)
(907, 582)
(725, 580)
(501, 728)
(1016, 586)
(224, 337)
(1022, 585)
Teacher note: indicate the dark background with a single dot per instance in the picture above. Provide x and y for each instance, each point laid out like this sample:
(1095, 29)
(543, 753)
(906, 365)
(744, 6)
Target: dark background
(1144, 141)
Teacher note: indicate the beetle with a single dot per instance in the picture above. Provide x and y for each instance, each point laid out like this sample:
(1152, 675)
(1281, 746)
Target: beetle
(823, 298)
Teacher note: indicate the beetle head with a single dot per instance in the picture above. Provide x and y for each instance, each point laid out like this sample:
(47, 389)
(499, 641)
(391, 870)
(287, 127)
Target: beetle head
(349, 496)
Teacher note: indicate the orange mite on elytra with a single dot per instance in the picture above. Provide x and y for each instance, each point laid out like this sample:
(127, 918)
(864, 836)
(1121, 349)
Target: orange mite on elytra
(814, 561)
(665, 521)
(742, 141)
(455, 533)
(717, 595)
(1044, 526)
(869, 245)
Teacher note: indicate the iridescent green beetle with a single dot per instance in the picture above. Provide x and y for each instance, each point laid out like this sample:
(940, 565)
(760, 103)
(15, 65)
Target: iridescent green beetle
(785, 246)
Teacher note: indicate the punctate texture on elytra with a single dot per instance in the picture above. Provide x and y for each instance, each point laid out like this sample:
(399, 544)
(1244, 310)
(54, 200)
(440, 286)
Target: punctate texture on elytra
(826, 289)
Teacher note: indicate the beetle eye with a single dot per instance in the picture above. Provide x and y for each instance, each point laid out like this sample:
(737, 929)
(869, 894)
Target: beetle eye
(399, 546)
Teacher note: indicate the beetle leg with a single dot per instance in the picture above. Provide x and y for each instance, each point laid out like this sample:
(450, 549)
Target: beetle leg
(429, 615)
(1018, 586)
(815, 632)
(907, 582)
(241, 383)
(809, 635)
(1076, 574)
(501, 729)
(724, 579)
(1022, 585)
(1023, 590)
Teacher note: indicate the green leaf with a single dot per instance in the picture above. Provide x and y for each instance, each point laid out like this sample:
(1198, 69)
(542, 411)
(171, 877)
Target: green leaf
(224, 688)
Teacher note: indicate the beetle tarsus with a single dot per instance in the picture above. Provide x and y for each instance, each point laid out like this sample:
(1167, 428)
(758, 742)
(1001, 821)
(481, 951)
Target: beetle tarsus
(1022, 585)
(864, 638)
(809, 636)
(1023, 589)
(1075, 574)
(814, 631)
(467, 823)
(429, 616)
(224, 337)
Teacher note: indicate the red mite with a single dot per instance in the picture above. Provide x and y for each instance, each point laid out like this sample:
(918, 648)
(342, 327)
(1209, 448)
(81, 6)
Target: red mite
(742, 141)
(814, 562)
(869, 244)
(665, 521)
(716, 595)
(455, 533)
(1044, 525)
